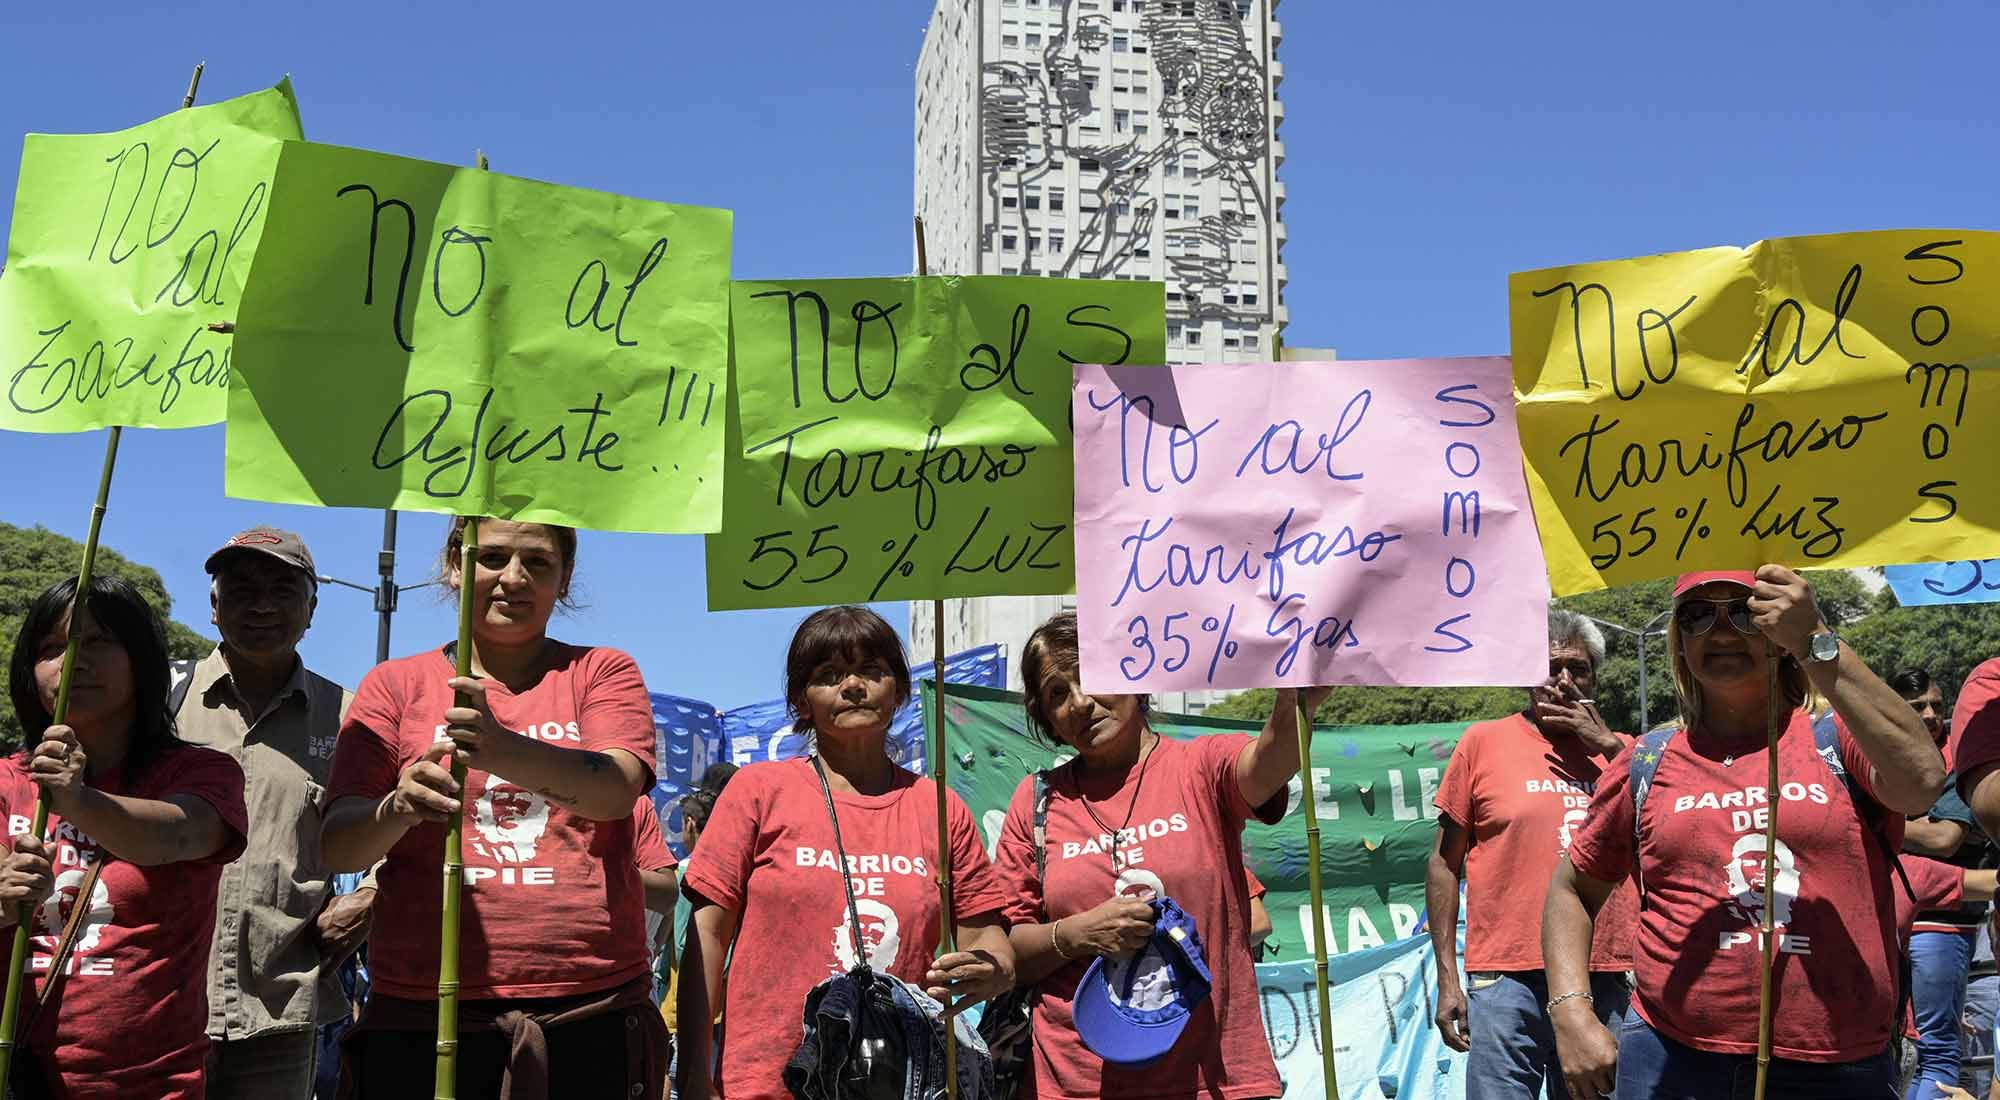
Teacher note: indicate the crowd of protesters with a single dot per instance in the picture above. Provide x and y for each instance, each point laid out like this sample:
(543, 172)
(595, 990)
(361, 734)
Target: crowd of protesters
(212, 804)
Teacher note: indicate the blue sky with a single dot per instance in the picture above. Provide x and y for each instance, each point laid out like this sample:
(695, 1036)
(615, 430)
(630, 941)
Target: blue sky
(1432, 149)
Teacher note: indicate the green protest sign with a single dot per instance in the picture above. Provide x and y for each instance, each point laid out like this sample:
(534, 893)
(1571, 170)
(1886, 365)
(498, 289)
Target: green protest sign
(452, 340)
(125, 247)
(909, 438)
(1373, 791)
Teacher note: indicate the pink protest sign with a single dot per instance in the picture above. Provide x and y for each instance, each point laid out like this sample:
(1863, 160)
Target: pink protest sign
(1305, 523)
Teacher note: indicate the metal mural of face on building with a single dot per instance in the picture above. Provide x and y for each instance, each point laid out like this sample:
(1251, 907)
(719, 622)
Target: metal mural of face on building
(1209, 121)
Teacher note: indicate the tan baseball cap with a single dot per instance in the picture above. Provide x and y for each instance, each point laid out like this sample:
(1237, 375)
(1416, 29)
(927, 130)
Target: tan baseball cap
(282, 545)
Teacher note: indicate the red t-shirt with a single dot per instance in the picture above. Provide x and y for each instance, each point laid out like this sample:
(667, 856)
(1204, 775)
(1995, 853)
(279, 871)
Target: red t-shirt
(131, 1018)
(1184, 840)
(1975, 724)
(768, 854)
(1697, 951)
(649, 848)
(552, 904)
(1520, 797)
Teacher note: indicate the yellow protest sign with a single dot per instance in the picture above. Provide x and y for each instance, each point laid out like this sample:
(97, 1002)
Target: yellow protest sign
(1814, 401)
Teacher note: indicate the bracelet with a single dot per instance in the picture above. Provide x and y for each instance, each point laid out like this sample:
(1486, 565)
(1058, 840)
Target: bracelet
(1584, 993)
(1055, 941)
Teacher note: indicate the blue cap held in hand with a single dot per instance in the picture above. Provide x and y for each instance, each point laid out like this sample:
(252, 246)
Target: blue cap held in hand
(1130, 1012)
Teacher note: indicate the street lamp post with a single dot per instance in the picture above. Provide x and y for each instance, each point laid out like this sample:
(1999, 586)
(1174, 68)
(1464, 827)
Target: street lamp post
(384, 589)
(1651, 629)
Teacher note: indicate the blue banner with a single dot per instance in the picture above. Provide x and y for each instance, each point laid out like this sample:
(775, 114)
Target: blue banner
(1946, 582)
(1385, 1044)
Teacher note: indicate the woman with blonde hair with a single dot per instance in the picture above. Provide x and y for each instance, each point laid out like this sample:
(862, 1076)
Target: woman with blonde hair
(1685, 809)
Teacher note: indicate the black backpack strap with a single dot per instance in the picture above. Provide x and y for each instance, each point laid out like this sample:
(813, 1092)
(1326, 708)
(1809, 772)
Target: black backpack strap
(1826, 743)
(853, 910)
(180, 677)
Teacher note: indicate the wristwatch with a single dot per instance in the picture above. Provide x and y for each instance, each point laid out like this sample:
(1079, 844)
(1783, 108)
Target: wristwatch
(1823, 647)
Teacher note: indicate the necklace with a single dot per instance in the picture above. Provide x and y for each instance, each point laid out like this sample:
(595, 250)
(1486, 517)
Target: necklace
(1137, 789)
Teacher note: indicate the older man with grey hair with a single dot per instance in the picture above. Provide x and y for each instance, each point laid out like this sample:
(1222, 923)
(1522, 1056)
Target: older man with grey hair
(1514, 792)
(279, 933)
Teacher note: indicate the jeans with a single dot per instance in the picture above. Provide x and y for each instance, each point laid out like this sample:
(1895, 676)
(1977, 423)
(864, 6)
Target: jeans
(1514, 1043)
(1938, 963)
(1975, 1069)
(1654, 1067)
(272, 1066)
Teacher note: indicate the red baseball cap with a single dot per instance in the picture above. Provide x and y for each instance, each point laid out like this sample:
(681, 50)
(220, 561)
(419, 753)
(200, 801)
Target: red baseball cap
(1688, 582)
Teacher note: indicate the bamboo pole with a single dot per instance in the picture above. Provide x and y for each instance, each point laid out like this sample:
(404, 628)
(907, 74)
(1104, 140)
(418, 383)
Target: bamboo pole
(947, 928)
(454, 830)
(1766, 995)
(454, 852)
(10, 1012)
(1330, 1082)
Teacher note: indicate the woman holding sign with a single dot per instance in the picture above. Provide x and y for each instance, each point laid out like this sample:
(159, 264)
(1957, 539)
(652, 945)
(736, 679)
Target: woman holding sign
(554, 983)
(140, 827)
(1135, 818)
(1686, 809)
(767, 892)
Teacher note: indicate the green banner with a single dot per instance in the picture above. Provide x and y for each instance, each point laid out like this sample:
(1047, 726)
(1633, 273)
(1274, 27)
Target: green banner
(909, 438)
(1374, 786)
(125, 247)
(453, 340)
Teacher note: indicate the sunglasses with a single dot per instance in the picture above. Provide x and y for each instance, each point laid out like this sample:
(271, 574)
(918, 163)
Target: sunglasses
(1697, 617)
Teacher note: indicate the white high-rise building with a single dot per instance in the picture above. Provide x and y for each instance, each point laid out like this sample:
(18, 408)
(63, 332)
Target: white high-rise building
(1106, 139)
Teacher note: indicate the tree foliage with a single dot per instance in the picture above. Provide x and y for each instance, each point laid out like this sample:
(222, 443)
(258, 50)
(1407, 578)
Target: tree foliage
(32, 559)
(1944, 641)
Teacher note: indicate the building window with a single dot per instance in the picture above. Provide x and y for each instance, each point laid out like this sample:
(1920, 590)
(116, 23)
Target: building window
(1142, 252)
(1034, 39)
(1173, 334)
(1142, 128)
(1117, 5)
(1010, 40)
(1173, 295)
(1121, 43)
(1174, 212)
(1010, 271)
(1009, 242)
(1124, 206)
(1087, 164)
(1121, 120)
(1173, 168)
(1250, 340)
(1055, 242)
(1194, 338)
(1056, 200)
(1009, 202)
(1228, 299)
(1249, 299)
(1229, 342)
(1034, 243)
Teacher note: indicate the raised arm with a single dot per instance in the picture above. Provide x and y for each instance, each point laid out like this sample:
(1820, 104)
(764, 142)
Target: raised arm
(1908, 768)
(1270, 761)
